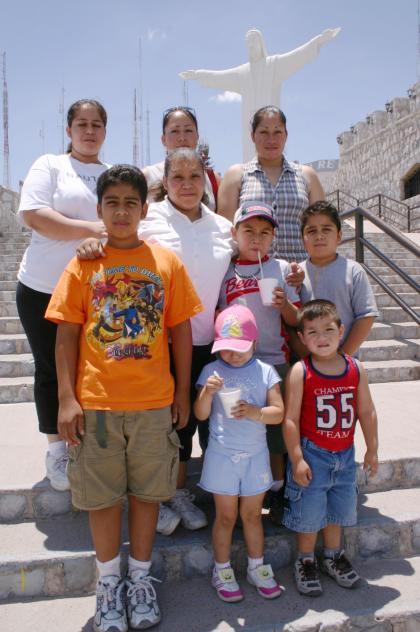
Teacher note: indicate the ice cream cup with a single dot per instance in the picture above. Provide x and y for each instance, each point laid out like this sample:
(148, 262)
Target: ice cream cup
(229, 398)
(266, 286)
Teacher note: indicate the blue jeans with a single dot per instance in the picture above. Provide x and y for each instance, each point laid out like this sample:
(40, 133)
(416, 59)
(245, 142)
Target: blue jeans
(330, 497)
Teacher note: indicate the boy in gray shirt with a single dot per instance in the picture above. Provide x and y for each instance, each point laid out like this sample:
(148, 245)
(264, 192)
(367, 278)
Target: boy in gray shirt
(333, 277)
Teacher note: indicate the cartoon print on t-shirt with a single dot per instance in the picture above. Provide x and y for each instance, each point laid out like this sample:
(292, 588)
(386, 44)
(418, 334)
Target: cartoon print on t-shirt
(127, 312)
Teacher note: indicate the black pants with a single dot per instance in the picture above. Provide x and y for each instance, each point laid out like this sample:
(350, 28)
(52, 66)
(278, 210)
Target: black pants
(200, 357)
(41, 335)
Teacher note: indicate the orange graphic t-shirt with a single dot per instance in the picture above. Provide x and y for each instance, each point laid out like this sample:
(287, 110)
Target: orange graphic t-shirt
(125, 303)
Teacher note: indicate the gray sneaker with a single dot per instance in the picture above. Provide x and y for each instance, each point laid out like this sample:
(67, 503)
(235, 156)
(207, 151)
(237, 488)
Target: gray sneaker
(192, 517)
(307, 577)
(110, 611)
(168, 520)
(340, 569)
(57, 471)
(142, 606)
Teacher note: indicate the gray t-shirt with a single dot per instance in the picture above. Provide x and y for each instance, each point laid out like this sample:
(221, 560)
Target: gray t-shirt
(345, 283)
(240, 286)
(254, 378)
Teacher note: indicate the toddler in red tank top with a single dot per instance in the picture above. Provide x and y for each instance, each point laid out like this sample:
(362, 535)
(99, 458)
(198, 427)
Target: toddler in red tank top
(326, 393)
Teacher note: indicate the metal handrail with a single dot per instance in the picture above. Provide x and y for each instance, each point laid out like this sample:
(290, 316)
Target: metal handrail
(405, 212)
(360, 214)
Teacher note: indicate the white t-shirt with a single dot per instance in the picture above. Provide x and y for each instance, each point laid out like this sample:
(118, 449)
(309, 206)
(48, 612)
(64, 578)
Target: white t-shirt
(205, 248)
(69, 187)
(154, 174)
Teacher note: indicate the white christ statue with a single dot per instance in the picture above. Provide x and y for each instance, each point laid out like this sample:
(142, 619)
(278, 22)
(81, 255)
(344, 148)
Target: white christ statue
(259, 80)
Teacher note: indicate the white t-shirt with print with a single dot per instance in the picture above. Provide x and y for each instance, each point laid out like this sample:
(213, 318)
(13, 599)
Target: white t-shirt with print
(69, 187)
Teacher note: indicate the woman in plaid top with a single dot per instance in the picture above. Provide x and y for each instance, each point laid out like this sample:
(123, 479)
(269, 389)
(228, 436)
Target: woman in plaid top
(286, 186)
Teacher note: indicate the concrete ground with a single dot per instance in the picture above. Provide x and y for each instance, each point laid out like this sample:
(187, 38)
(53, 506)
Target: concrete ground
(397, 404)
(390, 589)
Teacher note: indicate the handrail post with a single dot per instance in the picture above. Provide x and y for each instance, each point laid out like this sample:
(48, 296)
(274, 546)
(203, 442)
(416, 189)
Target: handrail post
(408, 218)
(379, 206)
(359, 236)
(338, 199)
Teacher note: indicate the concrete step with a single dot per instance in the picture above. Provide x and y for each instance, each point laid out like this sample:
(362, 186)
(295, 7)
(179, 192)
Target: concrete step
(7, 295)
(13, 344)
(55, 556)
(387, 331)
(382, 269)
(390, 350)
(386, 600)
(397, 287)
(11, 256)
(16, 365)
(14, 390)
(391, 278)
(394, 314)
(26, 494)
(7, 275)
(392, 370)
(10, 266)
(385, 300)
(12, 247)
(8, 285)
(10, 325)
(8, 308)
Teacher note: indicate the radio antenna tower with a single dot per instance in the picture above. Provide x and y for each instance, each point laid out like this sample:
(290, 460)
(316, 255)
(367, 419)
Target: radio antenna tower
(135, 132)
(185, 92)
(148, 161)
(62, 121)
(6, 167)
(140, 113)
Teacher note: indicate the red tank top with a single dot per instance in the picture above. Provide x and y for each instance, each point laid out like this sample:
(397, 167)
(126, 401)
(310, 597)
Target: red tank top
(329, 404)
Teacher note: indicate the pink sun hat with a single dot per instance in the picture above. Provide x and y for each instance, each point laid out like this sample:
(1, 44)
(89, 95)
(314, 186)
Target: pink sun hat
(235, 329)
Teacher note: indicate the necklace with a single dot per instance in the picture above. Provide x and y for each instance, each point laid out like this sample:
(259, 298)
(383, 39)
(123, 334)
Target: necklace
(246, 276)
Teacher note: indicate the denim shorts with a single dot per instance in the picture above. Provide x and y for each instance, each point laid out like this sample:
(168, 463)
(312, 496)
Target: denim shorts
(331, 496)
(235, 473)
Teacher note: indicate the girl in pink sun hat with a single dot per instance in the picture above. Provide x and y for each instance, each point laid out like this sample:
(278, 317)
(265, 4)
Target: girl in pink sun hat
(241, 395)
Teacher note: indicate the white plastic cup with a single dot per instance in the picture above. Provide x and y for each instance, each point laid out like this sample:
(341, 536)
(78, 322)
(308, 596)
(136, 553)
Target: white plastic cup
(266, 286)
(229, 398)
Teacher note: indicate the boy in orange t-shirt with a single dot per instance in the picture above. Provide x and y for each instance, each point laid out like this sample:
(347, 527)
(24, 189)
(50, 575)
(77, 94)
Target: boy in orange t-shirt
(116, 391)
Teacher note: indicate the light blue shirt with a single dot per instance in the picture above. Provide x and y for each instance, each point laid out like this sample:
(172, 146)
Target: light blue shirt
(255, 378)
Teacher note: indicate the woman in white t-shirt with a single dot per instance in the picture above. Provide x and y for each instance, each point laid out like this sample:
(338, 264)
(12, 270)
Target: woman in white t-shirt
(58, 203)
(180, 129)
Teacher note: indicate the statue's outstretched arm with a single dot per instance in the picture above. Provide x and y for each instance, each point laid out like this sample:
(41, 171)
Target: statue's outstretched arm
(229, 79)
(294, 60)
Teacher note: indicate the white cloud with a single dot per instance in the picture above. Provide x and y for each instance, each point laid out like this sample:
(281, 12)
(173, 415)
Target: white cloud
(227, 97)
(154, 34)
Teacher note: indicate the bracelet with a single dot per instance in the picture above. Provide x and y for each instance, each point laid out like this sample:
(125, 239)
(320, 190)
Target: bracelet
(261, 414)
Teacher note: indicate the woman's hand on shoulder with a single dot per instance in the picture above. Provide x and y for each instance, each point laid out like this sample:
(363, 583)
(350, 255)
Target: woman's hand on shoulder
(90, 248)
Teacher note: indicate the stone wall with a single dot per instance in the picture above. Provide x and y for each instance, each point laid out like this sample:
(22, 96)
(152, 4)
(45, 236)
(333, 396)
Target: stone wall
(377, 154)
(9, 202)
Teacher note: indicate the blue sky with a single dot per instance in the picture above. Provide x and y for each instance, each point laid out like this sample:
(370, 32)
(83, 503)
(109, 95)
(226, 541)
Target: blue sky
(90, 48)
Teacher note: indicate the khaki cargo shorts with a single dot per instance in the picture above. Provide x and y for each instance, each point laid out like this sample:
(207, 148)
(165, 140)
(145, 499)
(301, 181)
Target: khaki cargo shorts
(124, 452)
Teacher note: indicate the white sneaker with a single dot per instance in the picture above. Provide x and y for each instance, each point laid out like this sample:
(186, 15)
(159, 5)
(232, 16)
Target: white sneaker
(142, 606)
(57, 471)
(110, 613)
(226, 586)
(263, 579)
(168, 520)
(192, 517)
